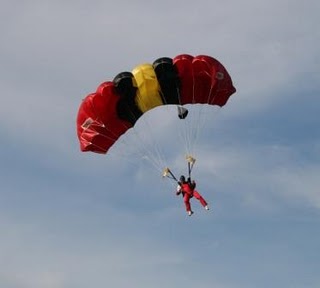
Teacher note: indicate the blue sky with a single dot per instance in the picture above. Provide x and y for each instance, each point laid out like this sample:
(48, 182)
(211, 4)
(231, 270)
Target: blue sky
(71, 220)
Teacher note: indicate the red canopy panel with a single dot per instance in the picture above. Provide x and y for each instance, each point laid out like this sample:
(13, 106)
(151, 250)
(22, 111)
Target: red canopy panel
(98, 124)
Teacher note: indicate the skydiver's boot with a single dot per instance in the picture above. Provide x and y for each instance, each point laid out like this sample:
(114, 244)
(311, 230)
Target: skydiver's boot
(206, 207)
(190, 213)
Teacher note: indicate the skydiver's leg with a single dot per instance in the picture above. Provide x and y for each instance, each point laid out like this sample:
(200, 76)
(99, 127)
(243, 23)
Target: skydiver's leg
(186, 200)
(197, 195)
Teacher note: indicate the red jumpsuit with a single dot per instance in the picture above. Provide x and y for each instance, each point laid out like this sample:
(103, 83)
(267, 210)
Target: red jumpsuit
(188, 192)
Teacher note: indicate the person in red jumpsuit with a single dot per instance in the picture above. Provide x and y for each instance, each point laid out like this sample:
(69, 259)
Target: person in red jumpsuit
(187, 189)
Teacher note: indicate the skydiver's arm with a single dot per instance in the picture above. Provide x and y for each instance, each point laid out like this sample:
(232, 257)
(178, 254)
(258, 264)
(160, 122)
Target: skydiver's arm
(179, 190)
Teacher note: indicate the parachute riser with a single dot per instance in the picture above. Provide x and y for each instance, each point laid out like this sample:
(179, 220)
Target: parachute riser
(167, 173)
(190, 166)
(191, 162)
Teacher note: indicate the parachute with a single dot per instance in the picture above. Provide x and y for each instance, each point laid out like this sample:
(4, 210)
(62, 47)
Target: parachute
(116, 105)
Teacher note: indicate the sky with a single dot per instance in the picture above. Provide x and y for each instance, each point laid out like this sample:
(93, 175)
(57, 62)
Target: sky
(70, 219)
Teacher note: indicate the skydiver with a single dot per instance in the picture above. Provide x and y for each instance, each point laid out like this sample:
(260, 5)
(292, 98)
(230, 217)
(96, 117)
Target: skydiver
(187, 189)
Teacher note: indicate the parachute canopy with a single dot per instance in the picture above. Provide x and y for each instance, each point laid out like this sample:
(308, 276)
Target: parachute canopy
(116, 105)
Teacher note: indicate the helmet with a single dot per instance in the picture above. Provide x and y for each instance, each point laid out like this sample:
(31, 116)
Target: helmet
(182, 178)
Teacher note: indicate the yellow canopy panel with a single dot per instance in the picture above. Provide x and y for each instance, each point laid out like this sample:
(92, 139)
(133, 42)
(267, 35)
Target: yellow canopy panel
(148, 95)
